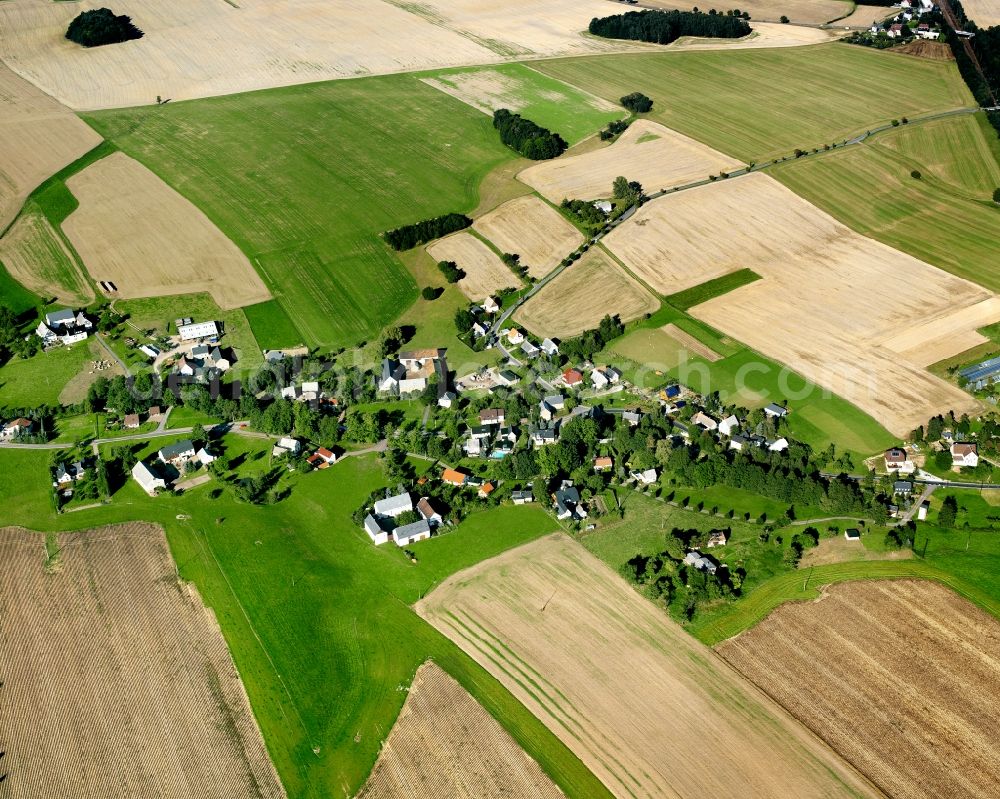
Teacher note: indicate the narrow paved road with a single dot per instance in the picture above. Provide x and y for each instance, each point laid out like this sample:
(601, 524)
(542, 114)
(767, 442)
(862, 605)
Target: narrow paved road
(112, 353)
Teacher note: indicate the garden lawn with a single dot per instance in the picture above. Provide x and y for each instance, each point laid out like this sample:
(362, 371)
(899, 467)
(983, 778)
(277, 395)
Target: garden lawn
(317, 619)
(946, 217)
(304, 179)
(758, 104)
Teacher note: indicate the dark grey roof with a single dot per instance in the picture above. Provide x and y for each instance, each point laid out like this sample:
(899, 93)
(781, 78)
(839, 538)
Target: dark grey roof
(177, 448)
(408, 530)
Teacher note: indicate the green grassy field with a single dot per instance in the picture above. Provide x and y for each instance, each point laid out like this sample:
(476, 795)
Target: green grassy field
(38, 380)
(551, 103)
(271, 326)
(946, 218)
(52, 265)
(687, 299)
(757, 104)
(14, 295)
(304, 179)
(318, 619)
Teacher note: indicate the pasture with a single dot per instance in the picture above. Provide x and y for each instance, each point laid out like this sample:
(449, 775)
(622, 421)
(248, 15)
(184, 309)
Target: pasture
(897, 676)
(647, 152)
(304, 180)
(317, 619)
(42, 378)
(39, 138)
(37, 257)
(563, 109)
(102, 632)
(131, 229)
(533, 229)
(583, 294)
(774, 99)
(485, 273)
(444, 743)
(819, 307)
(559, 628)
(259, 44)
(946, 218)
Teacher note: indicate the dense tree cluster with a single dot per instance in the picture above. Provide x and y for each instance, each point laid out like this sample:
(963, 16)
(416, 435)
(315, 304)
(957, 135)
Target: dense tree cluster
(527, 138)
(450, 271)
(637, 103)
(591, 342)
(409, 236)
(587, 213)
(664, 27)
(101, 26)
(614, 128)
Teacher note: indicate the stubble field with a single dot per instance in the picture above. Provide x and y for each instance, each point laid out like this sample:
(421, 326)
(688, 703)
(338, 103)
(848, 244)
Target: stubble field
(820, 305)
(899, 676)
(532, 229)
(133, 230)
(583, 294)
(36, 256)
(117, 680)
(622, 685)
(655, 156)
(985, 13)
(485, 273)
(445, 744)
(813, 11)
(39, 138)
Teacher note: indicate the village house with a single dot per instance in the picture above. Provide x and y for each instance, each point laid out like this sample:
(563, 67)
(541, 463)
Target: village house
(776, 411)
(418, 368)
(66, 326)
(411, 533)
(922, 510)
(505, 377)
(485, 490)
(598, 380)
(149, 351)
(492, 416)
(716, 538)
(544, 436)
(454, 477)
(522, 497)
(428, 513)
(895, 31)
(491, 306)
(530, 350)
(149, 481)
(778, 445)
(204, 456)
(18, 427)
(549, 347)
(632, 418)
(566, 502)
(447, 399)
(896, 460)
(178, 453)
(131, 421)
(479, 330)
(286, 446)
(572, 378)
(729, 425)
(700, 562)
(647, 477)
(376, 532)
(67, 473)
(902, 487)
(604, 206)
(737, 442)
(852, 534)
(394, 506)
(603, 464)
(550, 406)
(964, 454)
(198, 330)
(704, 421)
(322, 458)
(515, 337)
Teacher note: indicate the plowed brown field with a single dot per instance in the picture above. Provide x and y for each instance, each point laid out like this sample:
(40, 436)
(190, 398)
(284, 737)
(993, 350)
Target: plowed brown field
(444, 744)
(117, 681)
(652, 712)
(900, 677)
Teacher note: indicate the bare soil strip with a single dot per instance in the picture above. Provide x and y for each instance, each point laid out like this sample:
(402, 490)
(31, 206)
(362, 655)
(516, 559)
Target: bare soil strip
(900, 677)
(116, 678)
(485, 273)
(648, 709)
(532, 229)
(444, 744)
(690, 342)
(39, 137)
(582, 295)
(855, 316)
(648, 152)
(135, 231)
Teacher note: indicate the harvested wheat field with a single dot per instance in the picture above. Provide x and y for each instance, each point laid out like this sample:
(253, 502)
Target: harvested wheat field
(854, 316)
(813, 11)
(444, 744)
(204, 48)
(985, 13)
(765, 34)
(532, 229)
(39, 138)
(485, 273)
(689, 342)
(135, 231)
(38, 259)
(900, 677)
(582, 295)
(648, 152)
(645, 706)
(116, 678)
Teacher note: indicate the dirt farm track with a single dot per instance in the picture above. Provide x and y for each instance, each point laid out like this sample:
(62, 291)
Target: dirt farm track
(116, 681)
(901, 677)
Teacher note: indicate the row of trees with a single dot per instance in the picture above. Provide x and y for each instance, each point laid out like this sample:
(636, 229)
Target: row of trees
(409, 236)
(525, 137)
(664, 27)
(591, 342)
